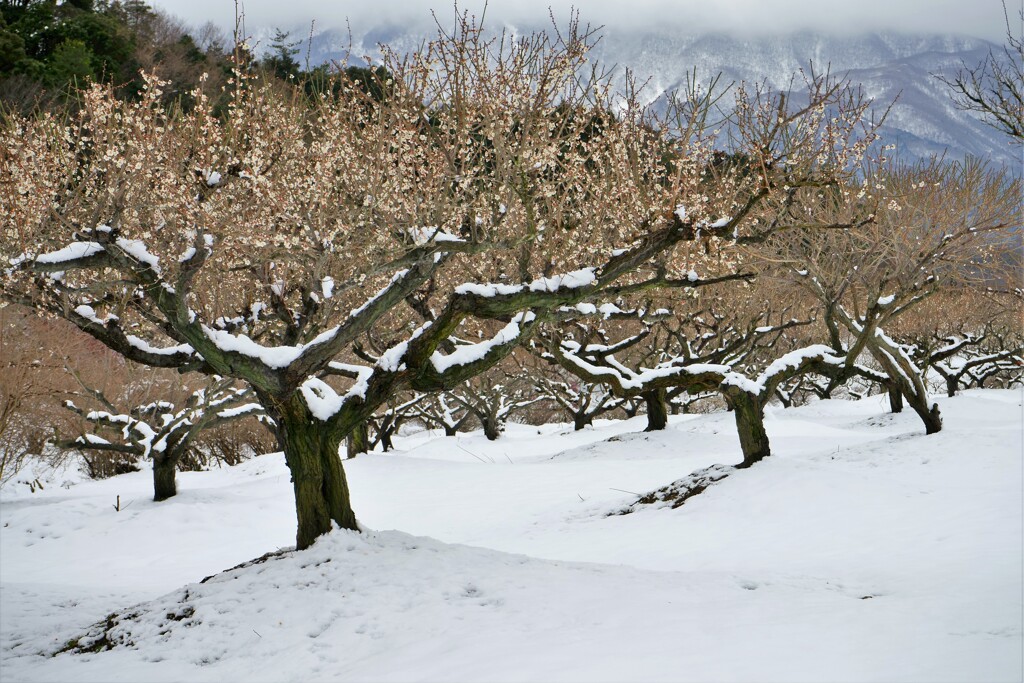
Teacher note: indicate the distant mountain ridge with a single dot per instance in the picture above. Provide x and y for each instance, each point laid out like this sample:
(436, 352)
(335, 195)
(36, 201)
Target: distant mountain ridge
(892, 67)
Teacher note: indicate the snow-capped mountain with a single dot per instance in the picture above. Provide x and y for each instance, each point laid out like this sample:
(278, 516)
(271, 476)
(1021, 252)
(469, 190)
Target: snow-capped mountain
(894, 69)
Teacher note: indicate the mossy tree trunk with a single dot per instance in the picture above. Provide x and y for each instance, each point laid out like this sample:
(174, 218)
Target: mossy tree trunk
(318, 478)
(358, 440)
(657, 409)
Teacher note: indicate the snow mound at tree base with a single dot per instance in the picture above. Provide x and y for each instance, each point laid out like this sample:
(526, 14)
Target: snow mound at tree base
(354, 597)
(390, 606)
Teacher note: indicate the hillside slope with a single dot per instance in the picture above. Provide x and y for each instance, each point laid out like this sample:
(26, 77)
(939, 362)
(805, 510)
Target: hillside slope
(861, 550)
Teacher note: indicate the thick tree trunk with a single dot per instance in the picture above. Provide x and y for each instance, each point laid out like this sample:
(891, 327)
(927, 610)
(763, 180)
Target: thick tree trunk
(492, 427)
(358, 440)
(895, 400)
(907, 379)
(657, 410)
(318, 479)
(581, 421)
(164, 485)
(917, 398)
(952, 384)
(928, 414)
(749, 415)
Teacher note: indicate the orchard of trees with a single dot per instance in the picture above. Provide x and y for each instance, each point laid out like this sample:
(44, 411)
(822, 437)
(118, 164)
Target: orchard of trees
(481, 231)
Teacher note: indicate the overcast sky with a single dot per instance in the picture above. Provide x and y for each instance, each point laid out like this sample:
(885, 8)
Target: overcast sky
(980, 18)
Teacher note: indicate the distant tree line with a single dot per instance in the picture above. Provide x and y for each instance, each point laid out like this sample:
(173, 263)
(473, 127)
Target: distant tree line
(50, 50)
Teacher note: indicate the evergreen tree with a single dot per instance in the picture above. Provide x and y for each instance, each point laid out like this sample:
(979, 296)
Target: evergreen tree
(12, 48)
(281, 60)
(70, 63)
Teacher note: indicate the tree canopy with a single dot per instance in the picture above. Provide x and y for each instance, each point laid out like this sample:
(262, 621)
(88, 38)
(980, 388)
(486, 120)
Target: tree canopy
(498, 184)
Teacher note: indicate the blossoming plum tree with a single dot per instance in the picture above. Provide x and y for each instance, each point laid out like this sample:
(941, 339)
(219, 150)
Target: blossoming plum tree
(498, 181)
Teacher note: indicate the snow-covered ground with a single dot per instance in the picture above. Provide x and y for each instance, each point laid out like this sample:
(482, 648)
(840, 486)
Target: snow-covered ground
(862, 550)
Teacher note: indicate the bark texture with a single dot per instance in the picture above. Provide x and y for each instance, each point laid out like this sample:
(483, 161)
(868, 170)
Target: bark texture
(657, 410)
(895, 401)
(749, 414)
(359, 440)
(318, 478)
(164, 484)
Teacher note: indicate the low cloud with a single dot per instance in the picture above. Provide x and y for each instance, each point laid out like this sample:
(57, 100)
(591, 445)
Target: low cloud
(983, 19)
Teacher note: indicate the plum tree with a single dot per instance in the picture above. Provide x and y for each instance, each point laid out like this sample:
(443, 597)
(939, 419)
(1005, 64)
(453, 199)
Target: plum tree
(260, 241)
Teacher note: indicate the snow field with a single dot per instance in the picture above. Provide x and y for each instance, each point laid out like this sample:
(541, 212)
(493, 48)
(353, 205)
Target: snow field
(861, 550)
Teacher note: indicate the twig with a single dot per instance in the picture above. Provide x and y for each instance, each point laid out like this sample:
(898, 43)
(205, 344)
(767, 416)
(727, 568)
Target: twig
(472, 453)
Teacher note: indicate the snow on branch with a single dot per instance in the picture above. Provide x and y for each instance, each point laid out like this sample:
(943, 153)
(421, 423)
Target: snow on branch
(89, 313)
(782, 368)
(572, 280)
(138, 251)
(254, 409)
(146, 347)
(355, 312)
(426, 235)
(161, 429)
(321, 398)
(631, 382)
(275, 357)
(470, 353)
(695, 375)
(75, 251)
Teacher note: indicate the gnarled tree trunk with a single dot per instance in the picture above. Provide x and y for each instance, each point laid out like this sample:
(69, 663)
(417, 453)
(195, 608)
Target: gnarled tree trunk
(749, 414)
(907, 380)
(318, 479)
(928, 414)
